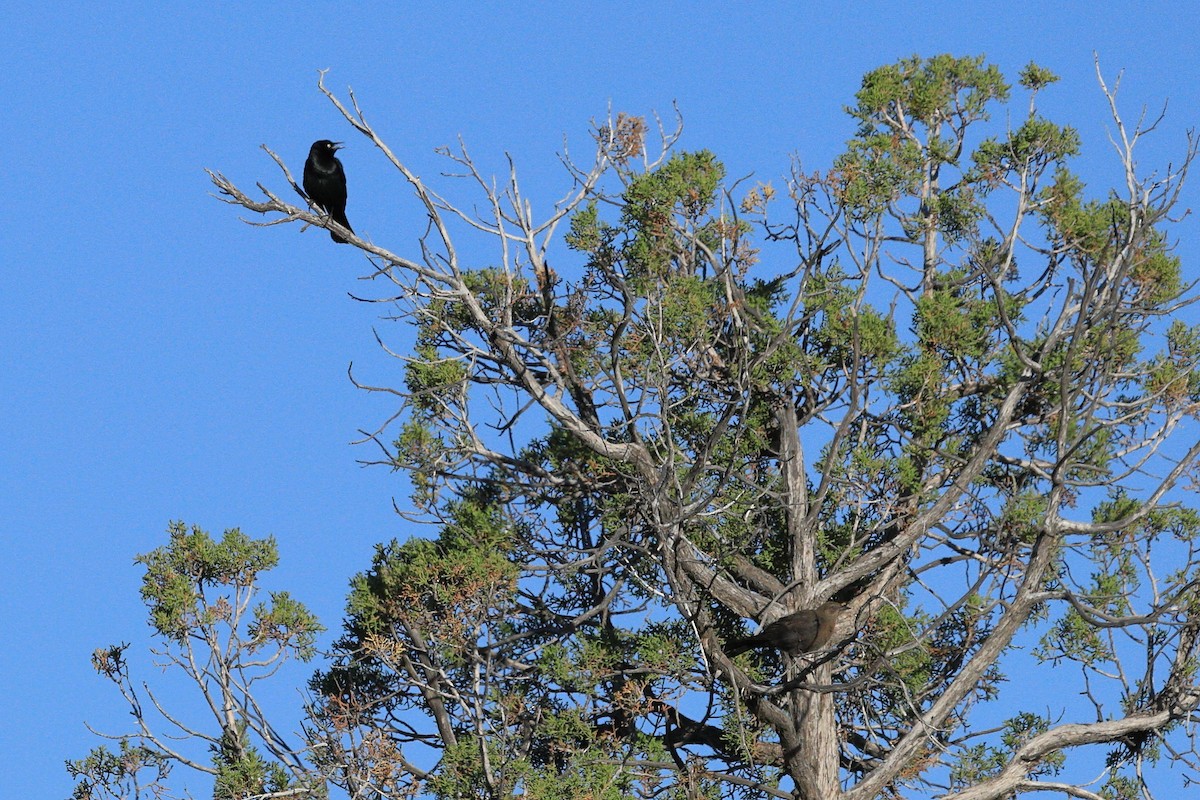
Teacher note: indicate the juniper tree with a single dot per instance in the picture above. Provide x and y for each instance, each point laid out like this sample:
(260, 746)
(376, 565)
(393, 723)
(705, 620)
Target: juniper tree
(941, 381)
(213, 628)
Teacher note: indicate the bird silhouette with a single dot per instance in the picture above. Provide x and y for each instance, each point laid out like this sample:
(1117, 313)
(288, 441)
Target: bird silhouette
(325, 182)
(799, 632)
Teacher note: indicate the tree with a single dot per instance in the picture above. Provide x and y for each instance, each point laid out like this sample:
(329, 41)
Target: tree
(201, 595)
(939, 382)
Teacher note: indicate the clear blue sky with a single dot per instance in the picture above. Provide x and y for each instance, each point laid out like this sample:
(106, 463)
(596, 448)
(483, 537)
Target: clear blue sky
(162, 360)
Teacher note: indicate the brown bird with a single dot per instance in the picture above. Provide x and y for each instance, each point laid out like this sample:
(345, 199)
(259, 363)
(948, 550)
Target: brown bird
(800, 632)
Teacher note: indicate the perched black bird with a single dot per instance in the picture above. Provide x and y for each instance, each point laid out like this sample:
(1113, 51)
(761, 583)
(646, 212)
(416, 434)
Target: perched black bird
(325, 182)
(800, 632)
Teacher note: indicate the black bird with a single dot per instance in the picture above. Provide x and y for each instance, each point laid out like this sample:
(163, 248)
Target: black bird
(800, 632)
(325, 182)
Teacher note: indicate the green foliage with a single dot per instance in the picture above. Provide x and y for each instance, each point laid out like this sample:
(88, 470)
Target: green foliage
(1122, 787)
(930, 91)
(686, 184)
(952, 323)
(178, 574)
(913, 668)
(1155, 273)
(978, 763)
(1034, 77)
(432, 380)
(460, 773)
(685, 308)
(1175, 373)
(912, 116)
(588, 232)
(1022, 516)
(875, 172)
(201, 597)
(242, 771)
(1020, 729)
(1033, 147)
(1091, 230)
(919, 383)
(1074, 639)
(105, 774)
(851, 336)
(284, 622)
(581, 777)
(450, 583)
(684, 187)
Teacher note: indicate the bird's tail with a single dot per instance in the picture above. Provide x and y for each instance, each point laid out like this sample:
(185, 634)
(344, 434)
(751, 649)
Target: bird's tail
(736, 647)
(341, 220)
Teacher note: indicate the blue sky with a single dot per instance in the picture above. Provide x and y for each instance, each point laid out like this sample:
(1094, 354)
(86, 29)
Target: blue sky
(162, 360)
